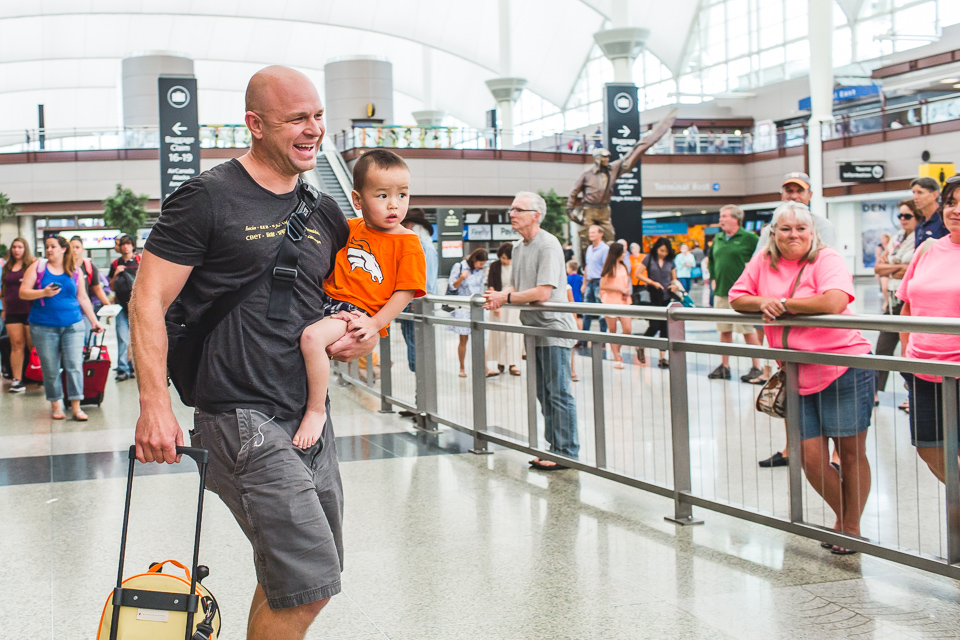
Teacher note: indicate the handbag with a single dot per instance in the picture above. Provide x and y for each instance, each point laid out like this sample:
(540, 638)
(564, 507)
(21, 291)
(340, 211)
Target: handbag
(772, 399)
(451, 290)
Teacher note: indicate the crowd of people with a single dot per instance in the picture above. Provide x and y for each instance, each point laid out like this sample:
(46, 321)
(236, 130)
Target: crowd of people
(792, 267)
(284, 489)
(50, 305)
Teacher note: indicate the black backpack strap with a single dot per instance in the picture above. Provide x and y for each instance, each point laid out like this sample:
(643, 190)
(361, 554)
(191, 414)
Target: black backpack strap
(285, 270)
(296, 227)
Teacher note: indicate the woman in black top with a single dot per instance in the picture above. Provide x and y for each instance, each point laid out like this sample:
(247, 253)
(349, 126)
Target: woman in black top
(16, 310)
(657, 271)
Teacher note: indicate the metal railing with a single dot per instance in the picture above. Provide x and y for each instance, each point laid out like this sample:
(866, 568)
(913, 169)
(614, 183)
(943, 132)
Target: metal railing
(674, 432)
(226, 136)
(236, 136)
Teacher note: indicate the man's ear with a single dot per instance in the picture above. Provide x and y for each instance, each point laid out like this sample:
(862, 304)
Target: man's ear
(254, 124)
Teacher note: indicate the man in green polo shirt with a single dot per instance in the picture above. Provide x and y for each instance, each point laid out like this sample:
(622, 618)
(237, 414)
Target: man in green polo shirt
(731, 251)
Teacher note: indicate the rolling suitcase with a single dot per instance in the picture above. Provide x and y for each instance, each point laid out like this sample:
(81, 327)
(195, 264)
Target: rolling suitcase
(96, 370)
(156, 605)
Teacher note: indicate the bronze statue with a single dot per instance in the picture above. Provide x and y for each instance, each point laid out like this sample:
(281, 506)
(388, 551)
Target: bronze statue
(589, 202)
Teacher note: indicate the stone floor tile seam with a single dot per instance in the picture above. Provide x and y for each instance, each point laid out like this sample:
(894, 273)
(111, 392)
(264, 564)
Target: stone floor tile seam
(346, 595)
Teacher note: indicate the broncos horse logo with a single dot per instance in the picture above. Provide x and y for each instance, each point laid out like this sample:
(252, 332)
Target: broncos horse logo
(360, 256)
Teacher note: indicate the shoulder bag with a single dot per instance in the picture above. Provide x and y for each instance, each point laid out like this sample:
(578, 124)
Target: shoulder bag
(772, 399)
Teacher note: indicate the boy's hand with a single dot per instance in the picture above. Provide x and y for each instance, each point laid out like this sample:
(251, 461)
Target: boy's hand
(363, 326)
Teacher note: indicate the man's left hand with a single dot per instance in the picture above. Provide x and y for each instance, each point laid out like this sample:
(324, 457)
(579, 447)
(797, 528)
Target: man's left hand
(495, 299)
(349, 347)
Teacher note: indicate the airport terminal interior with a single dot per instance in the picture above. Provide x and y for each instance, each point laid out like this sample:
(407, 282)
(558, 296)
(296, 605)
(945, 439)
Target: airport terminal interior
(675, 519)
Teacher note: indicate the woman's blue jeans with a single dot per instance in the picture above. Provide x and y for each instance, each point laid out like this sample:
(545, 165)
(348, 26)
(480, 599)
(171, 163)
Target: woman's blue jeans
(60, 346)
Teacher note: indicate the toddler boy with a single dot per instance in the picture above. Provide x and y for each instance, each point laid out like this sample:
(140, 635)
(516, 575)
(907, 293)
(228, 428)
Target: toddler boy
(374, 277)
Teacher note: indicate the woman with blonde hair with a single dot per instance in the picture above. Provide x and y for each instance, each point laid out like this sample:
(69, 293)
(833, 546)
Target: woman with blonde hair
(797, 274)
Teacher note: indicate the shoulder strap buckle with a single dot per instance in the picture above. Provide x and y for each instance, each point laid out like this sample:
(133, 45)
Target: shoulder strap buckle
(284, 273)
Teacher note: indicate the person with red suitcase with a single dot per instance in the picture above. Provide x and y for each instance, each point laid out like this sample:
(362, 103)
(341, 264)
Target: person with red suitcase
(56, 323)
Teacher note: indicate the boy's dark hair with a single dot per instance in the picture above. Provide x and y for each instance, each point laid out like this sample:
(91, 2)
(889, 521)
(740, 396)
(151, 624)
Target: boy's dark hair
(383, 160)
(126, 239)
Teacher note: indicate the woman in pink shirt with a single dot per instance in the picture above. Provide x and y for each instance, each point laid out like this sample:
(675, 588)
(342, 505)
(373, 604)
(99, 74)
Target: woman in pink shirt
(615, 289)
(926, 292)
(835, 402)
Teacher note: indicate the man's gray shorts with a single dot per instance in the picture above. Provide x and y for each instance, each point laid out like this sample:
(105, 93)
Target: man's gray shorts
(288, 501)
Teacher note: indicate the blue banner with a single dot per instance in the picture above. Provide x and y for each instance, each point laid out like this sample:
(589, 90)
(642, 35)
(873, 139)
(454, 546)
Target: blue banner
(665, 228)
(844, 94)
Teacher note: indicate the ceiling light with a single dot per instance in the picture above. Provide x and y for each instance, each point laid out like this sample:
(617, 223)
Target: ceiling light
(949, 80)
(956, 86)
(737, 132)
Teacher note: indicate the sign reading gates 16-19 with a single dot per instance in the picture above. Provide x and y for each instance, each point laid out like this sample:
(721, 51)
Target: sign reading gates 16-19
(179, 133)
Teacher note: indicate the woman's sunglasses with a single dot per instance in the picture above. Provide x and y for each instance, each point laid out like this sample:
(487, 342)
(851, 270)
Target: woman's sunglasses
(905, 216)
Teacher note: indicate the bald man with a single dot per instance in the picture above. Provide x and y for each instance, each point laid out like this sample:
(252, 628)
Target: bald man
(230, 222)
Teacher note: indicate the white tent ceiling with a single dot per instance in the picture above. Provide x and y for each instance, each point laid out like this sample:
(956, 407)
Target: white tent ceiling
(66, 53)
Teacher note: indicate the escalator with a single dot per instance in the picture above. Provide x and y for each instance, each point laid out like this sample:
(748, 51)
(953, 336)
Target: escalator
(333, 178)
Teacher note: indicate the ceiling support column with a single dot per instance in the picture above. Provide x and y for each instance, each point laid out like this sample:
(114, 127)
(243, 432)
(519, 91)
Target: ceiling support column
(821, 94)
(506, 89)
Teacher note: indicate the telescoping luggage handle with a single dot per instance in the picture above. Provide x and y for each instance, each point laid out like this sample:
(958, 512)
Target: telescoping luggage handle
(189, 602)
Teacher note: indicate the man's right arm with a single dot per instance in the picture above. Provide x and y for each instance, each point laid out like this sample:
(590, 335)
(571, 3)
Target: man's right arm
(157, 285)
(573, 199)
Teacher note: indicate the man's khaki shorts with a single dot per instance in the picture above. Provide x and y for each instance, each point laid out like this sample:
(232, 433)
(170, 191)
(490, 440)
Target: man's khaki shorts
(287, 500)
(723, 302)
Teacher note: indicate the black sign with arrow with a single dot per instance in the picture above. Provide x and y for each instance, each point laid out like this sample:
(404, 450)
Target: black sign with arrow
(179, 133)
(622, 129)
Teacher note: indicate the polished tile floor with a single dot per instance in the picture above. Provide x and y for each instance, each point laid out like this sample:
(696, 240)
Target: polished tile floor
(444, 544)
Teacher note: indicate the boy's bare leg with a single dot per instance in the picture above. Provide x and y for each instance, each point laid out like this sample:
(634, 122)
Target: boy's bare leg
(313, 343)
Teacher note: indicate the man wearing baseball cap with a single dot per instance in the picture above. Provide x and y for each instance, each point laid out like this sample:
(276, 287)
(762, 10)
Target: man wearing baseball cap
(796, 188)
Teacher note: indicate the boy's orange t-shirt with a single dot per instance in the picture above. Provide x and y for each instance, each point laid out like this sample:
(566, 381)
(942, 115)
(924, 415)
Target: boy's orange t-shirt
(373, 265)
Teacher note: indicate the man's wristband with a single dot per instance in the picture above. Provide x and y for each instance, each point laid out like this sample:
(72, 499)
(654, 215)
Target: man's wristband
(508, 298)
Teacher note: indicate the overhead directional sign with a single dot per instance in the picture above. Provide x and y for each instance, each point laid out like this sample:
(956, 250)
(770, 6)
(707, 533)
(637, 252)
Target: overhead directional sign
(622, 127)
(179, 133)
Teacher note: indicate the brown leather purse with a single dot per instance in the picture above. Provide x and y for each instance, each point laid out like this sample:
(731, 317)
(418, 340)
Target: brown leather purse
(772, 399)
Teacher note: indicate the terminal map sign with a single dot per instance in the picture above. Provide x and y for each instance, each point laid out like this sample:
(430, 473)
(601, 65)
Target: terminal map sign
(179, 133)
(861, 172)
(621, 133)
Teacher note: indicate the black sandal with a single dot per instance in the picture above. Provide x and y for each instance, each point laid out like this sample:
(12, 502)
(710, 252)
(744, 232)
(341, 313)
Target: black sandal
(837, 550)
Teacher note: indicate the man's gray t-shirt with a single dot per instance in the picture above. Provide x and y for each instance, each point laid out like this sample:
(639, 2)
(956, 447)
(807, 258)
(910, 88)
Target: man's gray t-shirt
(229, 229)
(538, 263)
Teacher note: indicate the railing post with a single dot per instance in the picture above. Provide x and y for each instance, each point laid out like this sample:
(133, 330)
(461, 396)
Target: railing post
(478, 366)
(951, 471)
(533, 435)
(370, 369)
(679, 422)
(794, 441)
(599, 407)
(425, 341)
(386, 373)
